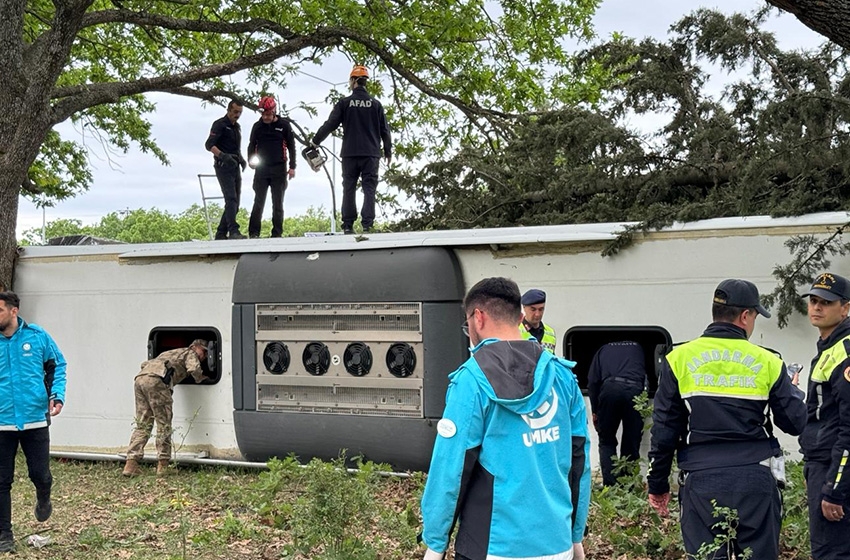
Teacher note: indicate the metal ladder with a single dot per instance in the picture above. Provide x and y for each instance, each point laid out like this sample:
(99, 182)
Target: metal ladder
(205, 198)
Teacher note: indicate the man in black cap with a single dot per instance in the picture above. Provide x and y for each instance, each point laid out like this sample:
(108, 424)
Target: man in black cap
(533, 306)
(710, 409)
(826, 440)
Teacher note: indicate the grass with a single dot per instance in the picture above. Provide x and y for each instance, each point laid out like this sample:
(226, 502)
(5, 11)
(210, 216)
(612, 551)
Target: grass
(316, 512)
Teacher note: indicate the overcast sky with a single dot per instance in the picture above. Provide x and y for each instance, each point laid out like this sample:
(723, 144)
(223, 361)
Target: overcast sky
(181, 125)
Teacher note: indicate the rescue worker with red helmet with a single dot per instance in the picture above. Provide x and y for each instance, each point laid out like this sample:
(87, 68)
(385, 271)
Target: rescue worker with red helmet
(365, 127)
(270, 147)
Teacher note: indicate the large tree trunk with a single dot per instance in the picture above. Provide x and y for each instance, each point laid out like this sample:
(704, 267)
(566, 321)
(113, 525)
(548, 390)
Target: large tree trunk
(830, 18)
(8, 221)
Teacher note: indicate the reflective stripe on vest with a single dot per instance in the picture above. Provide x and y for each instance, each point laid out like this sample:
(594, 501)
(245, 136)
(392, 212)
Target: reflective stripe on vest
(549, 341)
(723, 367)
(830, 358)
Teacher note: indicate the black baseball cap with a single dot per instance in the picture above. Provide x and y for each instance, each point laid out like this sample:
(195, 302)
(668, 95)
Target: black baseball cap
(739, 293)
(830, 287)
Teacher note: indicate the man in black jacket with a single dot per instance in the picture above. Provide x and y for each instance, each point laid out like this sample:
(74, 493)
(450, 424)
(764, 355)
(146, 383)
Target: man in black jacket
(617, 375)
(225, 143)
(270, 142)
(826, 440)
(711, 410)
(364, 125)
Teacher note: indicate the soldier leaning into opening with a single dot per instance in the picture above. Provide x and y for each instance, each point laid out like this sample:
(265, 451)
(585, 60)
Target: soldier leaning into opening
(711, 408)
(154, 388)
(32, 390)
(826, 440)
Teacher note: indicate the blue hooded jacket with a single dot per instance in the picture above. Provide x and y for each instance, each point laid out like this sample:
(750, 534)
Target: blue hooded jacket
(511, 461)
(30, 366)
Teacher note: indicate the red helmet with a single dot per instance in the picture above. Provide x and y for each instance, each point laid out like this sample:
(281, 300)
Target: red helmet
(267, 104)
(359, 72)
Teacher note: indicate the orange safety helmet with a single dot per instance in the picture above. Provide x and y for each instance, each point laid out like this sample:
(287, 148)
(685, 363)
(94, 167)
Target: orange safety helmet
(359, 72)
(267, 104)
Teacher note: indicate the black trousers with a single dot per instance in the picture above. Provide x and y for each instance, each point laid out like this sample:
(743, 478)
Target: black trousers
(830, 539)
(265, 179)
(616, 406)
(36, 447)
(365, 169)
(752, 491)
(230, 181)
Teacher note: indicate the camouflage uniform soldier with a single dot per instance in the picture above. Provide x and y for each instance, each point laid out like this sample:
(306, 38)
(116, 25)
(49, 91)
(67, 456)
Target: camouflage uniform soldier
(154, 386)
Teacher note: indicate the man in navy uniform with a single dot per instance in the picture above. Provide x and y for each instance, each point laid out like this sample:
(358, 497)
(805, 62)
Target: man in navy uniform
(826, 440)
(617, 375)
(711, 410)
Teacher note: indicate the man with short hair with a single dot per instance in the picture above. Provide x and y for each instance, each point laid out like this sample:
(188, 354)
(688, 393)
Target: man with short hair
(711, 411)
(270, 141)
(32, 390)
(532, 326)
(365, 127)
(826, 439)
(511, 459)
(225, 143)
(153, 389)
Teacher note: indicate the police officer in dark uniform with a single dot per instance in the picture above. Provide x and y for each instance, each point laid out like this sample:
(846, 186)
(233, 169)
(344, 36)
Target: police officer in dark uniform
(826, 440)
(617, 375)
(270, 141)
(710, 408)
(364, 126)
(225, 142)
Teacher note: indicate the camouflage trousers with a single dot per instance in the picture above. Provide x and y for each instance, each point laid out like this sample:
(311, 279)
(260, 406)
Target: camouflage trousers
(153, 404)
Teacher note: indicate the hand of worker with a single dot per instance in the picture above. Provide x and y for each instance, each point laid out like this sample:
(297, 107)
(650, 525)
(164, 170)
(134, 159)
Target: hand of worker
(595, 420)
(832, 512)
(659, 503)
(578, 551)
(291, 173)
(244, 164)
(55, 407)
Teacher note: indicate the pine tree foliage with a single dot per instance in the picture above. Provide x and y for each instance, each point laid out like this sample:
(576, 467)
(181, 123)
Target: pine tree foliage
(773, 141)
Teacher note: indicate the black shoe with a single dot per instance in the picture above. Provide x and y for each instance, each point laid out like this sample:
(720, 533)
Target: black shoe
(348, 231)
(367, 230)
(220, 236)
(7, 542)
(237, 235)
(253, 235)
(43, 509)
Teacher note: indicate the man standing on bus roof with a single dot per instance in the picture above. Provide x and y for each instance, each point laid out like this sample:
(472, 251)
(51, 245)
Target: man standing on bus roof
(225, 143)
(532, 326)
(154, 389)
(826, 439)
(510, 461)
(364, 126)
(711, 410)
(32, 390)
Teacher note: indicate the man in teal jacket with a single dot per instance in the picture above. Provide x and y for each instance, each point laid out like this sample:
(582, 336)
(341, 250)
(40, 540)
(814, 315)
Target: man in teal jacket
(32, 389)
(511, 459)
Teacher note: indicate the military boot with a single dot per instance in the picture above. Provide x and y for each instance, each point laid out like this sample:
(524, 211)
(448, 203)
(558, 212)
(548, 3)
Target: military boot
(7, 542)
(131, 468)
(162, 467)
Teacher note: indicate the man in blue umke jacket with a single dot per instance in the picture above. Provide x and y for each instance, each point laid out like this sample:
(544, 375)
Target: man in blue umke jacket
(511, 459)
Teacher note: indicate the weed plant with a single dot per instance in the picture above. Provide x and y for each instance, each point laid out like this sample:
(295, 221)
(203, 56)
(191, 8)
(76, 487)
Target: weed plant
(319, 511)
